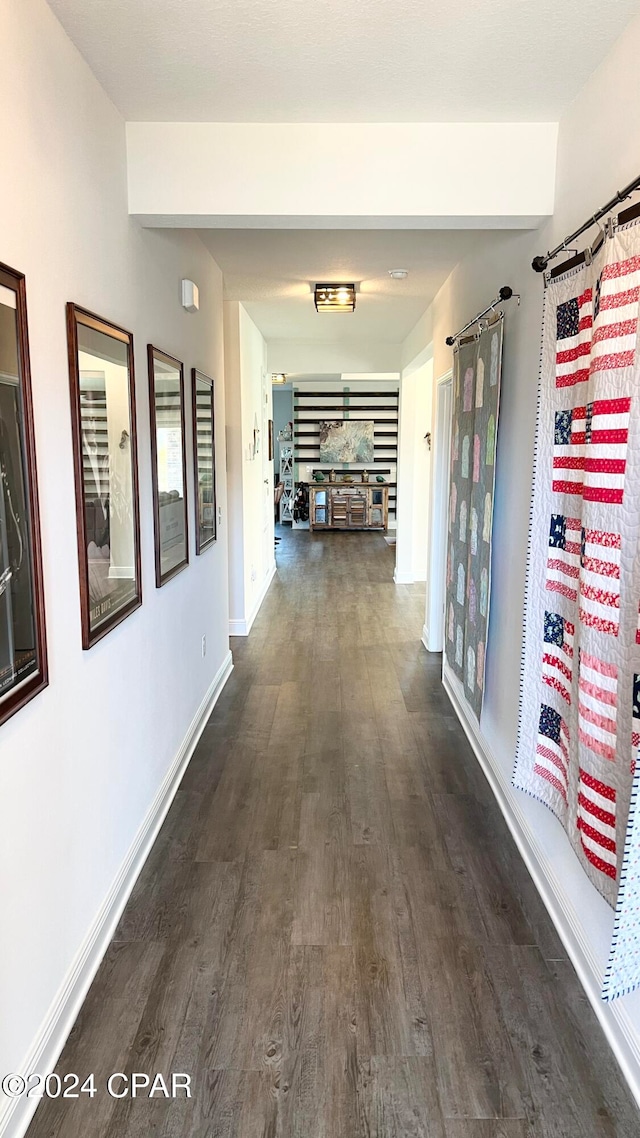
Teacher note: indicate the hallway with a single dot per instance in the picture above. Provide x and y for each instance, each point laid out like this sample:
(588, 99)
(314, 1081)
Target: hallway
(335, 935)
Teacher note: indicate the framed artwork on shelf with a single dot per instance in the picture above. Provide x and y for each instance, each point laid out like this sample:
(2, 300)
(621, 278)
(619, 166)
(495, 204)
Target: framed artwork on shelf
(105, 456)
(168, 464)
(23, 649)
(346, 440)
(204, 458)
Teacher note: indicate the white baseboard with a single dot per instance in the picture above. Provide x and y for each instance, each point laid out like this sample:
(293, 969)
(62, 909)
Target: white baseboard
(429, 645)
(243, 627)
(48, 1044)
(622, 1035)
(402, 578)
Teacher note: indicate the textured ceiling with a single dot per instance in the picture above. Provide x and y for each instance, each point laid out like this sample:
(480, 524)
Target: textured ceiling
(331, 61)
(271, 272)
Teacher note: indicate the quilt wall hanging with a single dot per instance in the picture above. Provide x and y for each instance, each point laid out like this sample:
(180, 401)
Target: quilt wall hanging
(476, 399)
(580, 697)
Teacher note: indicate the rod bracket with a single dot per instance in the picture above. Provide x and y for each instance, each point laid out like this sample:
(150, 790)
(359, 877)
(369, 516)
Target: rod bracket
(540, 263)
(505, 293)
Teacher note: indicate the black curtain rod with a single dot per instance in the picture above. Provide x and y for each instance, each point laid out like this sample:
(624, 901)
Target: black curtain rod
(540, 263)
(505, 294)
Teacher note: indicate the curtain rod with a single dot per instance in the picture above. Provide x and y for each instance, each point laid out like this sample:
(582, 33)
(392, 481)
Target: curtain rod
(540, 263)
(505, 294)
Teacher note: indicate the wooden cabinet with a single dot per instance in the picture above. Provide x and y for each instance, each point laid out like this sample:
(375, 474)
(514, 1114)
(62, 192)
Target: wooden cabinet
(348, 506)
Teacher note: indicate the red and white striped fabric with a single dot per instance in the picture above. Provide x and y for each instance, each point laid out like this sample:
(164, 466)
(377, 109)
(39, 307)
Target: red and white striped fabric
(563, 563)
(584, 562)
(557, 661)
(590, 450)
(575, 321)
(596, 822)
(552, 751)
(607, 434)
(568, 450)
(600, 580)
(616, 321)
(597, 705)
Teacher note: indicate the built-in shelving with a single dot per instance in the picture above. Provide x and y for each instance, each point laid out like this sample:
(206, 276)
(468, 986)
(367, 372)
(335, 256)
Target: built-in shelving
(311, 406)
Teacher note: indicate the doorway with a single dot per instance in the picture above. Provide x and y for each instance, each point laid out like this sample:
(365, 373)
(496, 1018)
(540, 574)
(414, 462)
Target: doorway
(433, 631)
(414, 470)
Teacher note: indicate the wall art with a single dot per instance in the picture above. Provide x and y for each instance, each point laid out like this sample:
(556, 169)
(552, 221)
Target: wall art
(23, 652)
(580, 710)
(168, 463)
(204, 458)
(476, 402)
(106, 471)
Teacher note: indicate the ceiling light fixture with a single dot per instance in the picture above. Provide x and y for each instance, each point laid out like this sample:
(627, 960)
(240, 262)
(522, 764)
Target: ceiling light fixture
(278, 377)
(398, 274)
(335, 297)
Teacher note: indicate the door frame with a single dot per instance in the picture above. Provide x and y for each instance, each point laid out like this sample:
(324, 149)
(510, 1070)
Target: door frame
(433, 632)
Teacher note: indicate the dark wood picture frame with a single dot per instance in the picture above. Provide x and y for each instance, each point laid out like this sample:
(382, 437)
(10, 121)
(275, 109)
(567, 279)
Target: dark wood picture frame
(20, 695)
(271, 448)
(78, 315)
(199, 376)
(153, 354)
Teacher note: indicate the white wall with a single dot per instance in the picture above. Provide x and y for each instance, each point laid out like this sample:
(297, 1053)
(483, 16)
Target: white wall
(251, 509)
(379, 174)
(319, 357)
(598, 153)
(81, 764)
(414, 472)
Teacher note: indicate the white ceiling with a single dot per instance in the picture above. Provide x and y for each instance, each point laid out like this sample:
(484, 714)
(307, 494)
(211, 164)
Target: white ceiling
(271, 272)
(340, 61)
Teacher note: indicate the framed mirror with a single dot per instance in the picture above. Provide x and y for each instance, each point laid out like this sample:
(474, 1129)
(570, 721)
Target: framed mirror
(168, 464)
(23, 651)
(103, 417)
(204, 458)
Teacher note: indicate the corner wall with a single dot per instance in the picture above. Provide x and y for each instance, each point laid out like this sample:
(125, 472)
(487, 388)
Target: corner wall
(83, 763)
(597, 153)
(251, 473)
(414, 472)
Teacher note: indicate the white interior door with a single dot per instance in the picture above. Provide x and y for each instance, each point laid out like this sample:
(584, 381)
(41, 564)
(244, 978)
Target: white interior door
(434, 617)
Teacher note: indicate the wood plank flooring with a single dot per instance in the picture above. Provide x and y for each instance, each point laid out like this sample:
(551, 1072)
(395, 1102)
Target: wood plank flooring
(334, 934)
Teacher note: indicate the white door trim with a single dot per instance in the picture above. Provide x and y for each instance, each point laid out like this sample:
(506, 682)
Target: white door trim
(433, 631)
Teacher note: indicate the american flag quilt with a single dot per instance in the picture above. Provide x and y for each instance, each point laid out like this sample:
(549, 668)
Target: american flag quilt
(579, 730)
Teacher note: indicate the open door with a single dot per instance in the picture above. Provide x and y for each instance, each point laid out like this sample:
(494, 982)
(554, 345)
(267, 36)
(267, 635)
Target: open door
(433, 632)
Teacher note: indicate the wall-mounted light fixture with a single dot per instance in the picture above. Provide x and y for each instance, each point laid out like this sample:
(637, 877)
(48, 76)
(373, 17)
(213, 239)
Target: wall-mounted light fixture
(278, 377)
(190, 296)
(335, 297)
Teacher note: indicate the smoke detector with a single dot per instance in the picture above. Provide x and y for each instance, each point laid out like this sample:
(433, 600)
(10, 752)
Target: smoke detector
(398, 274)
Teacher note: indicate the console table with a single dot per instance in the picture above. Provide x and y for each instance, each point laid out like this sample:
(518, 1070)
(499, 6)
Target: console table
(348, 505)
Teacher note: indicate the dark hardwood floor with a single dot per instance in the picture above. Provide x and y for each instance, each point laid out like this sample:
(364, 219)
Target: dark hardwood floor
(334, 934)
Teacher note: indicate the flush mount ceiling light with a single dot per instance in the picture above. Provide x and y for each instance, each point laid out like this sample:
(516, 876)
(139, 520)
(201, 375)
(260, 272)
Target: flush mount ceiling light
(398, 274)
(278, 377)
(335, 297)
